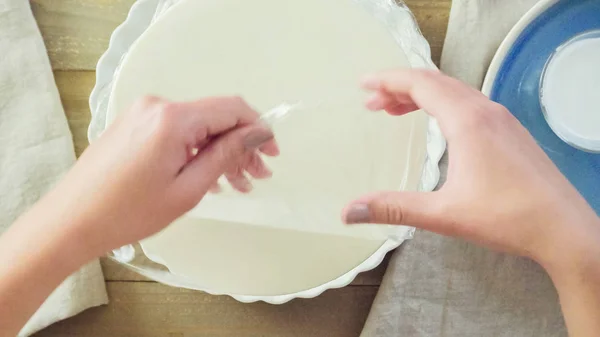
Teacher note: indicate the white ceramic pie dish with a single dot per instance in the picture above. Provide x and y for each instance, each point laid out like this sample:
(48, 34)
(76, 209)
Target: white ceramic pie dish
(140, 17)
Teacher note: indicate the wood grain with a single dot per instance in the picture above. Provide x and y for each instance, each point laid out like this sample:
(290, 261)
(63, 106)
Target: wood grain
(153, 310)
(76, 32)
(74, 88)
(432, 16)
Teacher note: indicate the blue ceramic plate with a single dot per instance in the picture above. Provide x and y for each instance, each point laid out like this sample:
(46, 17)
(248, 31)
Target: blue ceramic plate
(514, 77)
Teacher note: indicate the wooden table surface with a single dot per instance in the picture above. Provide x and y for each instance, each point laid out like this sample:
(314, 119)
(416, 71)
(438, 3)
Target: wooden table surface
(76, 33)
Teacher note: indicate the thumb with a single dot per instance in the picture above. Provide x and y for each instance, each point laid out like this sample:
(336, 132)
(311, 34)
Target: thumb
(419, 209)
(221, 153)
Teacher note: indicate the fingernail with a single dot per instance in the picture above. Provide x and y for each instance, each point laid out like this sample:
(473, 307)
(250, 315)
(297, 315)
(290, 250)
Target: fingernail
(266, 173)
(244, 185)
(374, 102)
(257, 137)
(370, 82)
(358, 214)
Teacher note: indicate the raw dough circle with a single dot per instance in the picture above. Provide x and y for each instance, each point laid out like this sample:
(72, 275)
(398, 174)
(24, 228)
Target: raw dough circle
(269, 51)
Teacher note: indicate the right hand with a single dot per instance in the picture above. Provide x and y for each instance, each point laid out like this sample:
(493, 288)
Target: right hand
(502, 191)
(155, 162)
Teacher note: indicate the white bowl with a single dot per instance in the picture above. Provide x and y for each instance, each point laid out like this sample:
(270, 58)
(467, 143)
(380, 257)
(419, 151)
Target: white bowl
(407, 34)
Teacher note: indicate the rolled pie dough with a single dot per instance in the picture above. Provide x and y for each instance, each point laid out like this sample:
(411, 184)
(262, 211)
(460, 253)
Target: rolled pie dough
(286, 236)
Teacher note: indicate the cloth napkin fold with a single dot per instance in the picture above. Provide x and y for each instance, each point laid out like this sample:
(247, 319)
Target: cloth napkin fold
(437, 286)
(36, 149)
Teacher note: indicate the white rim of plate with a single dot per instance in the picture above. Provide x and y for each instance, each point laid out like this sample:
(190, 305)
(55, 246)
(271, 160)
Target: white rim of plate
(509, 41)
(418, 53)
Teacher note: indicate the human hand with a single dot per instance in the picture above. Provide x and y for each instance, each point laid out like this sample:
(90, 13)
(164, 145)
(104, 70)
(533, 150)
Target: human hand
(502, 191)
(157, 161)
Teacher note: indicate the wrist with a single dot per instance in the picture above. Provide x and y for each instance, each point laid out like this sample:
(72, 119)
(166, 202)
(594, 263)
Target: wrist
(61, 232)
(574, 252)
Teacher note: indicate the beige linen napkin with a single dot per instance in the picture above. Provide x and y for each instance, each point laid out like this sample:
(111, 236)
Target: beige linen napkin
(437, 286)
(36, 149)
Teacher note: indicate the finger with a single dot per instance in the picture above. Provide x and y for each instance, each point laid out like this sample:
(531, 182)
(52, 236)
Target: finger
(270, 148)
(380, 101)
(238, 180)
(199, 146)
(401, 109)
(256, 167)
(240, 183)
(445, 98)
(419, 209)
(215, 188)
(210, 117)
(146, 103)
(267, 146)
(393, 104)
(216, 157)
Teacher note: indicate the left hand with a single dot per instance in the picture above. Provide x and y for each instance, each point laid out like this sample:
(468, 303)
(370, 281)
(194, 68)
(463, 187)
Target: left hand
(156, 162)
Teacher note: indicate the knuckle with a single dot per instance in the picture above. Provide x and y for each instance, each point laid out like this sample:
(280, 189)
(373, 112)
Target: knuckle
(430, 74)
(148, 102)
(477, 117)
(489, 117)
(168, 109)
(502, 113)
(230, 151)
(231, 105)
(224, 101)
(238, 103)
(164, 116)
(237, 100)
(389, 212)
(421, 78)
(211, 102)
